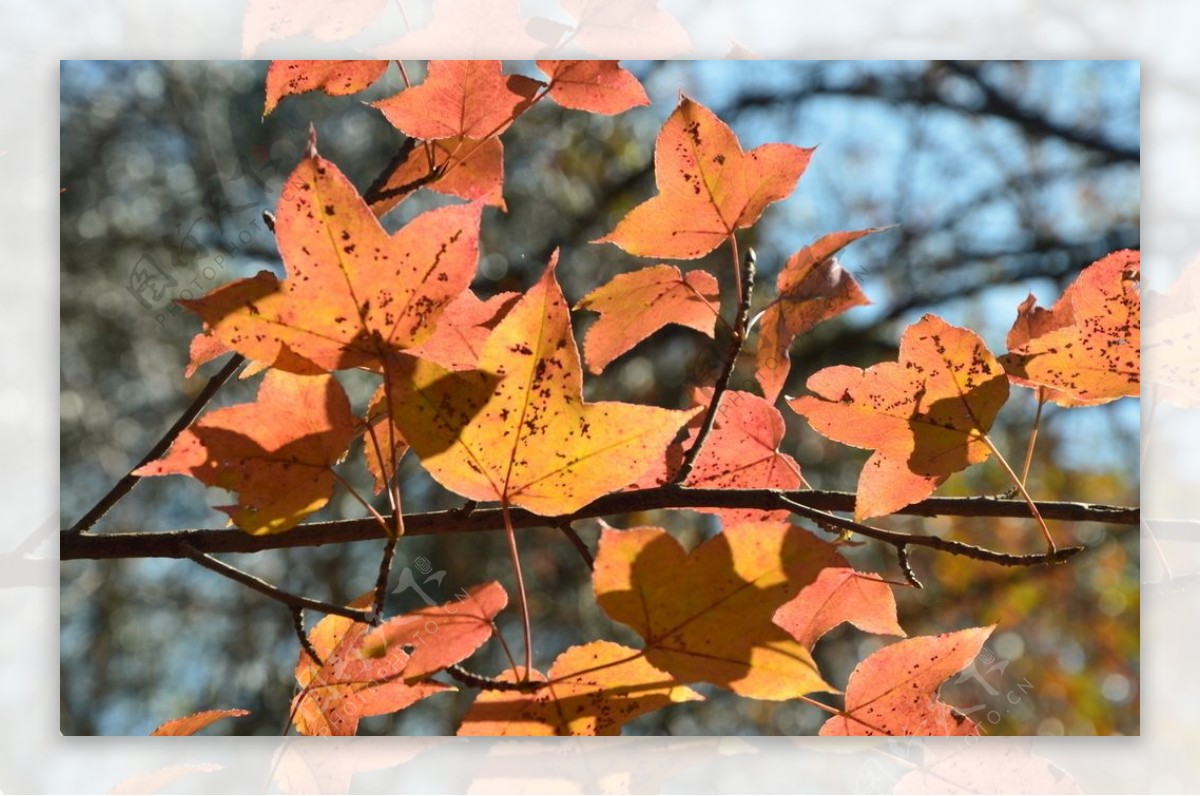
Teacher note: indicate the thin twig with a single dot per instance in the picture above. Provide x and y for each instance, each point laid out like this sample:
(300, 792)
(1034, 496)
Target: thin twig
(898, 540)
(305, 644)
(906, 567)
(122, 487)
(381, 580)
(489, 683)
(741, 321)
(274, 592)
(580, 546)
(171, 544)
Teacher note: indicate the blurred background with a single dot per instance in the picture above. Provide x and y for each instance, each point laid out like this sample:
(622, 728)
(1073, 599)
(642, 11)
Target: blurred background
(1003, 178)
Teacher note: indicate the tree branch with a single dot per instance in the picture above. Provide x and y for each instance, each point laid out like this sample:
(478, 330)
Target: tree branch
(122, 487)
(293, 601)
(741, 321)
(173, 544)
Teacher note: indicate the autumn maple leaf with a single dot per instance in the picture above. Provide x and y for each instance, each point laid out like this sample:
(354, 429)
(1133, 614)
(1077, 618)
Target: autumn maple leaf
(813, 287)
(593, 689)
(634, 306)
(276, 453)
(894, 691)
(353, 292)
(707, 615)
(926, 415)
(1086, 349)
(517, 429)
(335, 78)
(708, 187)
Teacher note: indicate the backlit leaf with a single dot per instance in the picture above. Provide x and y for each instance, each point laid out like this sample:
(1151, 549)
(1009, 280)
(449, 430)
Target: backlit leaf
(813, 287)
(708, 187)
(351, 682)
(740, 452)
(353, 291)
(595, 86)
(335, 78)
(518, 430)
(839, 594)
(463, 329)
(894, 691)
(277, 453)
(462, 167)
(706, 615)
(190, 725)
(592, 689)
(926, 416)
(435, 637)
(459, 98)
(1086, 349)
(636, 305)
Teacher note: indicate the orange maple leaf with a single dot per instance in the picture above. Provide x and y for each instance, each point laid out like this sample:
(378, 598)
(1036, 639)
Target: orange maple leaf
(595, 86)
(708, 187)
(353, 291)
(593, 689)
(813, 287)
(927, 415)
(706, 615)
(839, 594)
(517, 429)
(894, 691)
(190, 725)
(459, 98)
(352, 681)
(277, 453)
(1086, 349)
(335, 78)
(464, 167)
(634, 306)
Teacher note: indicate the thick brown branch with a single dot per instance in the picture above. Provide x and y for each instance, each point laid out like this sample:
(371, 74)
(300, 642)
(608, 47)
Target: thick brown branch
(172, 544)
(122, 487)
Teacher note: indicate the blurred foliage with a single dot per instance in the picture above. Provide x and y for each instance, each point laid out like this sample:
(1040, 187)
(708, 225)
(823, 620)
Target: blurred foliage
(1002, 177)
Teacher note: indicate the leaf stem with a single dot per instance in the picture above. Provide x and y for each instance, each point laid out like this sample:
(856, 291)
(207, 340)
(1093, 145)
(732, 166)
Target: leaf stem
(1029, 501)
(1033, 435)
(522, 601)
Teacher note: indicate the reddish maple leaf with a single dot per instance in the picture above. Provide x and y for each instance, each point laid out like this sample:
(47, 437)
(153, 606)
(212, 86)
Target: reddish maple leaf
(894, 691)
(741, 451)
(594, 86)
(1086, 349)
(706, 615)
(190, 725)
(353, 291)
(592, 689)
(462, 167)
(813, 287)
(708, 187)
(518, 430)
(634, 306)
(277, 453)
(351, 682)
(927, 415)
(435, 637)
(335, 78)
(459, 98)
(839, 594)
